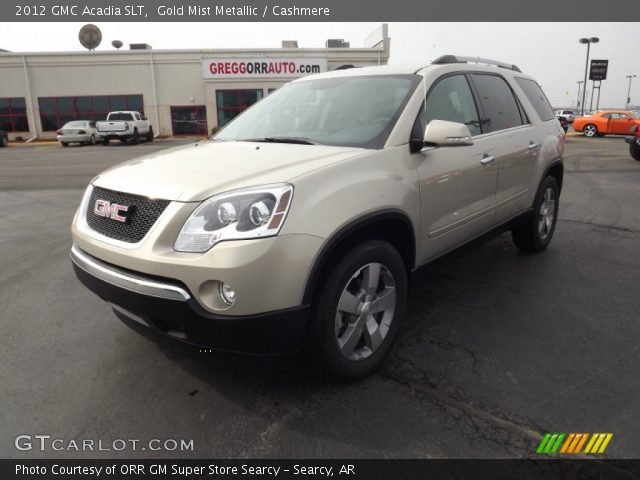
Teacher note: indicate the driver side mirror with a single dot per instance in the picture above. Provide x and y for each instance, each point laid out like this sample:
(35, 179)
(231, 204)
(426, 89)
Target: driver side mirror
(447, 134)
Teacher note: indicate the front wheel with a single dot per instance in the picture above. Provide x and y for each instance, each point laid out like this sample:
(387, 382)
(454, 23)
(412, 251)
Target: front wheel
(105, 142)
(590, 130)
(93, 140)
(356, 316)
(634, 150)
(65, 144)
(536, 232)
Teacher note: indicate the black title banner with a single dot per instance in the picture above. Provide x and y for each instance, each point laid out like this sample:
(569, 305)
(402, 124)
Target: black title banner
(316, 10)
(318, 469)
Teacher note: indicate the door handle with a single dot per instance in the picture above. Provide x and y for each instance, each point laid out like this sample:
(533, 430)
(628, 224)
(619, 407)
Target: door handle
(486, 159)
(532, 146)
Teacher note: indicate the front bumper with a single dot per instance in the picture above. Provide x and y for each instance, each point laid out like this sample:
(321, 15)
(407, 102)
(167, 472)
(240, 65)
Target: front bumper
(168, 307)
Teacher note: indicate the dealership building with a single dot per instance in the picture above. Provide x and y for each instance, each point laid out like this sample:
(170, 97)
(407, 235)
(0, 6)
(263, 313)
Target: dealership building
(182, 92)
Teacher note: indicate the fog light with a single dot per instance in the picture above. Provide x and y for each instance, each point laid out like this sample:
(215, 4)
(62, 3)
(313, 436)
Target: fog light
(227, 294)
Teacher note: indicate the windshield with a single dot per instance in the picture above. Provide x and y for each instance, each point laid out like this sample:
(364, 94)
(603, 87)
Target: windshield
(75, 125)
(346, 111)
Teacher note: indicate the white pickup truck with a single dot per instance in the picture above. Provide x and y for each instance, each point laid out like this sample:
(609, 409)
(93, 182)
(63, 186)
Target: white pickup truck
(125, 126)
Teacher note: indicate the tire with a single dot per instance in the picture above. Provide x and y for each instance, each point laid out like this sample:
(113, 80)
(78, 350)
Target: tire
(105, 141)
(150, 134)
(65, 144)
(634, 150)
(123, 139)
(339, 343)
(4, 142)
(93, 140)
(590, 130)
(135, 139)
(535, 233)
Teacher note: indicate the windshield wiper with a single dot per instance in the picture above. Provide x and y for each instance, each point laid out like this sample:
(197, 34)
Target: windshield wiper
(295, 140)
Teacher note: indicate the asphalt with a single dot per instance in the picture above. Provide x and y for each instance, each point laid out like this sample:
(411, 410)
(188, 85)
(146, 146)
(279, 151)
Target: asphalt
(498, 347)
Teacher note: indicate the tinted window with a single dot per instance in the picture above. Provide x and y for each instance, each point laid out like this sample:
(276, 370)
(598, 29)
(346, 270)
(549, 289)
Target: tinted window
(451, 100)
(120, 116)
(537, 98)
(501, 110)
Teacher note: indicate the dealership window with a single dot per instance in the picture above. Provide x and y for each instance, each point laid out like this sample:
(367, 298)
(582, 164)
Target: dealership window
(13, 115)
(191, 120)
(233, 102)
(56, 111)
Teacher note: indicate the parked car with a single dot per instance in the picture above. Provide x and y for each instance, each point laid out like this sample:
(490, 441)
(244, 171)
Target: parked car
(78, 131)
(570, 115)
(606, 122)
(634, 142)
(564, 123)
(298, 224)
(126, 126)
(4, 138)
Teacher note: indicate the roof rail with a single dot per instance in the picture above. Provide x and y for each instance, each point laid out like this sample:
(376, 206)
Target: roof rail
(345, 67)
(445, 59)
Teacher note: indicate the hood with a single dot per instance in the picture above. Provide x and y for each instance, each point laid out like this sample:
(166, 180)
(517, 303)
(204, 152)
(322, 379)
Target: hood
(197, 171)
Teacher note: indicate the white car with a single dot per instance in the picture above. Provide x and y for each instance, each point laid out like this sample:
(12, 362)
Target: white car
(126, 126)
(78, 131)
(570, 115)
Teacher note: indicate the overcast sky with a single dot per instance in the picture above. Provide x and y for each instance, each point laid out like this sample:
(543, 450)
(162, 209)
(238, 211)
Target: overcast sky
(548, 51)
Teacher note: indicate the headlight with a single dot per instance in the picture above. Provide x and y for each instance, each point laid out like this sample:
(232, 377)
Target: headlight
(254, 212)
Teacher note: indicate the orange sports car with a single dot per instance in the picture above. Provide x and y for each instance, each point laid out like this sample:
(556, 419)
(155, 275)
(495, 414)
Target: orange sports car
(605, 122)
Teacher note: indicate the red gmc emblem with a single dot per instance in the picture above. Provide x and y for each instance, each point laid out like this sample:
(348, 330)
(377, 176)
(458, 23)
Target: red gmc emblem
(114, 211)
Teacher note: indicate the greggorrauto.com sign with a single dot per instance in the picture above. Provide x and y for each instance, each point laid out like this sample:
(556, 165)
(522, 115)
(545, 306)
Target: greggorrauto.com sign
(228, 68)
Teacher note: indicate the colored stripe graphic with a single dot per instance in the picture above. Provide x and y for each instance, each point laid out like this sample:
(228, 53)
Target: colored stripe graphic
(572, 443)
(598, 443)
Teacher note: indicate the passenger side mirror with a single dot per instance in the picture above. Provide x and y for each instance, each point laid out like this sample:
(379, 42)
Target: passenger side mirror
(447, 134)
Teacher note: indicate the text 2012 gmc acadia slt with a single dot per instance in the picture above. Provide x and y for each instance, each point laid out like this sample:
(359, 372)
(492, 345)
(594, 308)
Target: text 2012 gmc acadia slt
(296, 226)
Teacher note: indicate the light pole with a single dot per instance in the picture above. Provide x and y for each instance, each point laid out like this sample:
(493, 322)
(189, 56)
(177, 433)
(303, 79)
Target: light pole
(626, 105)
(588, 41)
(580, 82)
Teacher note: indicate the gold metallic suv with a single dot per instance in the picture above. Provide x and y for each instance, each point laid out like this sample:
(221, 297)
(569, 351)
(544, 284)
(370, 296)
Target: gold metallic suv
(297, 226)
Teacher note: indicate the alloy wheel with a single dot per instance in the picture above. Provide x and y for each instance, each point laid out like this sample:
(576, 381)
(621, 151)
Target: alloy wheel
(547, 214)
(365, 311)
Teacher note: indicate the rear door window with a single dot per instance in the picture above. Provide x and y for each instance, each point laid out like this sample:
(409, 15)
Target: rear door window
(500, 107)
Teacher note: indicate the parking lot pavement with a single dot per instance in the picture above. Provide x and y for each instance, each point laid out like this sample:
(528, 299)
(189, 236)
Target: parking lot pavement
(498, 347)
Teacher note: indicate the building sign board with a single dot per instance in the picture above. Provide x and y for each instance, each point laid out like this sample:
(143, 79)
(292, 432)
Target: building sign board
(241, 67)
(598, 70)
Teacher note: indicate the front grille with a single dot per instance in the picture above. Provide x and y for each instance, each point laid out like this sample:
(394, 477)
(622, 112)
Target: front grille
(141, 218)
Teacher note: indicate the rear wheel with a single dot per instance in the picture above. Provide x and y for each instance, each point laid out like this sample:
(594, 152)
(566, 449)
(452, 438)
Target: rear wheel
(536, 232)
(150, 134)
(590, 130)
(105, 141)
(634, 150)
(356, 316)
(65, 144)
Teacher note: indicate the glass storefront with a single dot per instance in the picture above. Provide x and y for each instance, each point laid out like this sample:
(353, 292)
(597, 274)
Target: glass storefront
(56, 111)
(232, 102)
(189, 120)
(13, 115)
